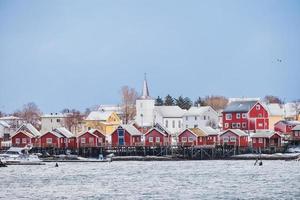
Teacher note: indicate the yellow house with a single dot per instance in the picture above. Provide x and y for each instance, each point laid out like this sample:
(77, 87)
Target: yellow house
(276, 113)
(105, 121)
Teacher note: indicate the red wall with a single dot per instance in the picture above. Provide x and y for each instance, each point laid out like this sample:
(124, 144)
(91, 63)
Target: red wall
(265, 142)
(241, 141)
(212, 140)
(283, 128)
(294, 135)
(21, 135)
(154, 133)
(188, 134)
(87, 143)
(128, 139)
(55, 141)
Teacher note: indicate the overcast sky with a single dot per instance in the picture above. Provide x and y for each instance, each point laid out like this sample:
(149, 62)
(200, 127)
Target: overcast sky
(77, 54)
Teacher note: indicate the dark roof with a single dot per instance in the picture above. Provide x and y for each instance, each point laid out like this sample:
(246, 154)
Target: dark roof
(240, 106)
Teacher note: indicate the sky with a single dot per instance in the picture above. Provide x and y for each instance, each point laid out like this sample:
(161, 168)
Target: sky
(77, 54)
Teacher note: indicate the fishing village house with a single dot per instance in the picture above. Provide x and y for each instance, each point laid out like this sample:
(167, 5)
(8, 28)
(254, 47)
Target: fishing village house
(245, 115)
(91, 138)
(126, 135)
(265, 139)
(199, 136)
(58, 138)
(200, 116)
(295, 138)
(25, 135)
(13, 121)
(104, 121)
(4, 131)
(285, 126)
(158, 136)
(276, 113)
(234, 137)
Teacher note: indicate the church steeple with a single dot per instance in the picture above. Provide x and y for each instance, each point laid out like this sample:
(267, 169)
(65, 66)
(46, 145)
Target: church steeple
(145, 91)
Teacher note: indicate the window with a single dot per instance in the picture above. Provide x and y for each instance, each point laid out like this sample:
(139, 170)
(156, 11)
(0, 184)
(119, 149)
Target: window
(24, 140)
(226, 125)
(51, 120)
(91, 140)
(260, 140)
(150, 139)
(232, 139)
(120, 132)
(257, 107)
(200, 139)
(225, 139)
(173, 123)
(204, 117)
(179, 124)
(141, 105)
(166, 123)
(238, 115)
(187, 118)
(195, 126)
(254, 140)
(244, 115)
(190, 139)
(259, 115)
(195, 118)
(208, 117)
(228, 116)
(244, 125)
(233, 125)
(58, 120)
(157, 139)
(238, 125)
(186, 126)
(184, 139)
(49, 140)
(260, 124)
(17, 140)
(82, 140)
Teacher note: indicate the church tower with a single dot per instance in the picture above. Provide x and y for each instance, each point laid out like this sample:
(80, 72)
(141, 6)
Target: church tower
(144, 107)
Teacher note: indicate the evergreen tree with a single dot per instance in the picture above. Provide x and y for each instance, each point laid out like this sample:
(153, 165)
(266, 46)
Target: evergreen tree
(187, 103)
(199, 102)
(159, 101)
(169, 101)
(180, 102)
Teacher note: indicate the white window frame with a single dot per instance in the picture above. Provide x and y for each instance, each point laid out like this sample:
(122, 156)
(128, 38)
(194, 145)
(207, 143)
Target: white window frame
(191, 139)
(150, 139)
(91, 140)
(226, 125)
(260, 140)
(82, 140)
(244, 125)
(238, 115)
(49, 141)
(238, 125)
(244, 115)
(184, 139)
(157, 139)
(24, 140)
(233, 125)
(228, 116)
(254, 140)
(18, 141)
(260, 124)
(257, 107)
(225, 139)
(232, 139)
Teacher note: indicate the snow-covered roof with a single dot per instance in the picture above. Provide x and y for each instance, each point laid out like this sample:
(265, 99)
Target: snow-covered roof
(296, 128)
(63, 131)
(263, 134)
(29, 128)
(162, 128)
(275, 109)
(4, 124)
(10, 118)
(287, 122)
(54, 133)
(131, 129)
(54, 115)
(198, 111)
(238, 132)
(209, 130)
(99, 115)
(240, 106)
(111, 108)
(170, 111)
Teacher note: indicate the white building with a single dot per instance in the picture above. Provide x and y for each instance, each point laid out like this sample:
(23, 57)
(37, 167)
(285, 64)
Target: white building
(52, 121)
(171, 117)
(13, 122)
(144, 108)
(4, 131)
(200, 117)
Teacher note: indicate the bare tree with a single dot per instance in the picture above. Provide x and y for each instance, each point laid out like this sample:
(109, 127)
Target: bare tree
(296, 108)
(73, 119)
(30, 114)
(216, 102)
(272, 99)
(128, 96)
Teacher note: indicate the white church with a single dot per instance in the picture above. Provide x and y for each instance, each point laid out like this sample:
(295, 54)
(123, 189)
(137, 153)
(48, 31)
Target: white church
(173, 118)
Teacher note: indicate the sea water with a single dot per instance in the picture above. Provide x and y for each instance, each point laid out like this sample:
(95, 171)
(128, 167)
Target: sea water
(153, 180)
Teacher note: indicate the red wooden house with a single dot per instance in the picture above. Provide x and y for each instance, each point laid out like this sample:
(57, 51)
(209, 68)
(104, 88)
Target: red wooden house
(26, 135)
(245, 115)
(199, 136)
(265, 139)
(158, 136)
(284, 126)
(91, 138)
(126, 135)
(58, 138)
(296, 134)
(234, 137)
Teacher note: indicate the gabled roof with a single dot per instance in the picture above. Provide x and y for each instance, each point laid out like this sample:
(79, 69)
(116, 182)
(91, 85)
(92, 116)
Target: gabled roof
(4, 124)
(296, 128)
(197, 132)
(54, 115)
(275, 109)
(240, 106)
(30, 129)
(24, 132)
(209, 130)
(264, 134)
(63, 131)
(91, 131)
(94, 130)
(286, 122)
(54, 133)
(10, 118)
(99, 115)
(158, 130)
(170, 111)
(162, 128)
(235, 131)
(130, 129)
(198, 111)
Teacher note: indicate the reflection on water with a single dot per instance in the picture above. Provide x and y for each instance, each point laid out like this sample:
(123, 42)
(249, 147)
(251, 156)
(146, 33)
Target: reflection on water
(153, 180)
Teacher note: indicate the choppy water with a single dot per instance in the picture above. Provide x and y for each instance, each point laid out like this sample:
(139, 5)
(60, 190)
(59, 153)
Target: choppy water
(153, 180)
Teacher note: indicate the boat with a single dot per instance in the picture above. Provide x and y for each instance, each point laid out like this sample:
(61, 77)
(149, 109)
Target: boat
(20, 156)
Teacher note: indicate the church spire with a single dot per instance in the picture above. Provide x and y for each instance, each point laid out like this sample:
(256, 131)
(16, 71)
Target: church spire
(145, 92)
